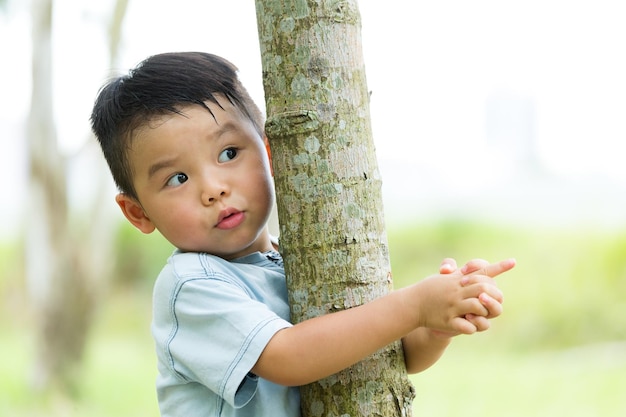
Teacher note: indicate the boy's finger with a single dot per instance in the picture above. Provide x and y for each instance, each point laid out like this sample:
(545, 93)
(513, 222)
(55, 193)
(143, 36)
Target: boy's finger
(493, 305)
(481, 323)
(493, 270)
(447, 266)
(473, 265)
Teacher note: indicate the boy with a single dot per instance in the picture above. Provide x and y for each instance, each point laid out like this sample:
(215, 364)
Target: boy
(186, 147)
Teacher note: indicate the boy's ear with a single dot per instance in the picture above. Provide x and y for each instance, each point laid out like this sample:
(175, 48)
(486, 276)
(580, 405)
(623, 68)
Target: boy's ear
(269, 153)
(134, 213)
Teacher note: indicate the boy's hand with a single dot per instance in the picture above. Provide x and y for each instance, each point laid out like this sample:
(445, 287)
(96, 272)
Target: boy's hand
(477, 275)
(480, 267)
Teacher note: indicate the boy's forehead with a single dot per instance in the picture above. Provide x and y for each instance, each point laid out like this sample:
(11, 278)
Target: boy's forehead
(218, 109)
(212, 119)
(157, 119)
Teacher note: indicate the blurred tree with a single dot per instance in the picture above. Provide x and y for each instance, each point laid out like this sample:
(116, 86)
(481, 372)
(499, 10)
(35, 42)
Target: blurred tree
(328, 189)
(62, 263)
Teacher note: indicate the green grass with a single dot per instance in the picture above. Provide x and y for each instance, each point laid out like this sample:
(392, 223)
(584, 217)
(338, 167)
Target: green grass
(473, 379)
(558, 349)
(118, 375)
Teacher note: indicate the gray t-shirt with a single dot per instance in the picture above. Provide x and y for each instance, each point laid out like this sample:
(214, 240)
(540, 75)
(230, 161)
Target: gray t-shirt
(212, 319)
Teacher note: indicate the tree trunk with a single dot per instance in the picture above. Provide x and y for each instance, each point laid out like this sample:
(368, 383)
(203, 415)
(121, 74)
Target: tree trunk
(329, 190)
(62, 265)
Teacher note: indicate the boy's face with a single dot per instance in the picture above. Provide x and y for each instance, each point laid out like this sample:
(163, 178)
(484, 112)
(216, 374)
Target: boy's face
(203, 182)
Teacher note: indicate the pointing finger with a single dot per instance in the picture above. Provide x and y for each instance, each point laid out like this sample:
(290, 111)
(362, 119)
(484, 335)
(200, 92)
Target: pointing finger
(493, 270)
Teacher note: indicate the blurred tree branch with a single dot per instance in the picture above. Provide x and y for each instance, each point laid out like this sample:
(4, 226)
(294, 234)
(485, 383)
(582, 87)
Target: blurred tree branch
(63, 263)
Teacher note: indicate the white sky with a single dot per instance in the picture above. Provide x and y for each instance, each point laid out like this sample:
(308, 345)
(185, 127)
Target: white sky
(432, 67)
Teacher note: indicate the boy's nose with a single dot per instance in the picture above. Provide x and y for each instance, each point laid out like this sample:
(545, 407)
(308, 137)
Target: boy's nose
(211, 198)
(213, 189)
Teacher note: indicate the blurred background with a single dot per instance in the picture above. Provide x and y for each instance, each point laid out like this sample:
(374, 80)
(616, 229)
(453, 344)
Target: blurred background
(499, 129)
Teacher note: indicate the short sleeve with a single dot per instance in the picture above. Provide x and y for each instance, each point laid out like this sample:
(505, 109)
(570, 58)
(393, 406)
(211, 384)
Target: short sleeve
(218, 335)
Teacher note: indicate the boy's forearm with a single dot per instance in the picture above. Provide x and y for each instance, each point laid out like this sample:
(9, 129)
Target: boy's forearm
(422, 348)
(322, 346)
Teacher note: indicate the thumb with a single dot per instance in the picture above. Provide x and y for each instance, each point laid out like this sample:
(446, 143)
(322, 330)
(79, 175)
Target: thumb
(447, 266)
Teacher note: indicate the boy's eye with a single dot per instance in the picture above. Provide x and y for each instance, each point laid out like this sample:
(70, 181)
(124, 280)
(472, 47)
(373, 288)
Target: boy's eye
(177, 180)
(227, 155)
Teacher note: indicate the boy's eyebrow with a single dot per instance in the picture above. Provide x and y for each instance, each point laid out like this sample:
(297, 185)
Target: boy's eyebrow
(154, 168)
(226, 127)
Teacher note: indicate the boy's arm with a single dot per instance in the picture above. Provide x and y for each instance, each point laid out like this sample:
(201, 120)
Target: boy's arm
(423, 347)
(322, 346)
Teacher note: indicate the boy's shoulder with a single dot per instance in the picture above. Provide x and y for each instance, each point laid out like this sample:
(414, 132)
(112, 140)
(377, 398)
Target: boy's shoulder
(186, 265)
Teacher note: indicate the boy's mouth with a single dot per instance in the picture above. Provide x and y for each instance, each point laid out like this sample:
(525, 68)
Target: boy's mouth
(229, 218)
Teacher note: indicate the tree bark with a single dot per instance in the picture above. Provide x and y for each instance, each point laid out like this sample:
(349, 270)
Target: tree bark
(332, 232)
